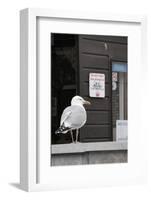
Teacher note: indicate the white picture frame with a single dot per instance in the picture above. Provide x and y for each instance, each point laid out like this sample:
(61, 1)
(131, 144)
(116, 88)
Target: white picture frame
(35, 171)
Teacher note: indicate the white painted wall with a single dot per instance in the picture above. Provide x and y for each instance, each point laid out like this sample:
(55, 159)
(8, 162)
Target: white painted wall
(9, 99)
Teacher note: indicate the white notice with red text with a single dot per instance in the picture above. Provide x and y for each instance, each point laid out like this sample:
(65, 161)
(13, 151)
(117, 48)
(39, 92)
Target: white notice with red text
(97, 85)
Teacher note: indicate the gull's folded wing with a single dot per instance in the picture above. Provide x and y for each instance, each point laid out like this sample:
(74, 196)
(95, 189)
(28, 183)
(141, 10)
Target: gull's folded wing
(65, 115)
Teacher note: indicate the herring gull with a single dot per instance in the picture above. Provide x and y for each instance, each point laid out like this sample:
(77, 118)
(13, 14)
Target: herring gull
(73, 117)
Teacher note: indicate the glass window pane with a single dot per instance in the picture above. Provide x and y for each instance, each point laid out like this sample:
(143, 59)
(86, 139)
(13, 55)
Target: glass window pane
(119, 95)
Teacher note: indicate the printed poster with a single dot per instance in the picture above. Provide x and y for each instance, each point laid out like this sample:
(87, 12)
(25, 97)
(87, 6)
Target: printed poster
(97, 85)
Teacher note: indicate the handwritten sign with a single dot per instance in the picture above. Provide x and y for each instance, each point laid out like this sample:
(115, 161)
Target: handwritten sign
(97, 85)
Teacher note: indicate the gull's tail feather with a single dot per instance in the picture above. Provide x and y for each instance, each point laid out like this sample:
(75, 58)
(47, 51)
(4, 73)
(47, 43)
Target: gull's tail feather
(62, 129)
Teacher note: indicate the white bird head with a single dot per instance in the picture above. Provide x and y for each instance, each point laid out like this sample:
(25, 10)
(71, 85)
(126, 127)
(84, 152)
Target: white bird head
(77, 100)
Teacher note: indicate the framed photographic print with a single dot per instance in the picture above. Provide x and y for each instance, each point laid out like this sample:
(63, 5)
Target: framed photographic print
(81, 77)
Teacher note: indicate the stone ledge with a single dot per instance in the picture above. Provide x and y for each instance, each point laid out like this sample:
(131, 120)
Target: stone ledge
(88, 147)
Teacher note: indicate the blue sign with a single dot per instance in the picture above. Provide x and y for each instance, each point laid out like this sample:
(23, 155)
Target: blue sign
(119, 67)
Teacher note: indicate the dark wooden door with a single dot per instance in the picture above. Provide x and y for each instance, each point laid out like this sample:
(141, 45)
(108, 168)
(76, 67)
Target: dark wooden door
(94, 58)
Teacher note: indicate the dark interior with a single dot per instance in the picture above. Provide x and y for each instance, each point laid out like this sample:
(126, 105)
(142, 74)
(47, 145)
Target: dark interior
(64, 79)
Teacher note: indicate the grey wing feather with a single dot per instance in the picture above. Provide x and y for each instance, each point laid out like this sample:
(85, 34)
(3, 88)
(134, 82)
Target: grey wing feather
(64, 116)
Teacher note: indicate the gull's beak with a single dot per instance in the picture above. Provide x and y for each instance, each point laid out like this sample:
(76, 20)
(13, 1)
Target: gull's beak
(86, 102)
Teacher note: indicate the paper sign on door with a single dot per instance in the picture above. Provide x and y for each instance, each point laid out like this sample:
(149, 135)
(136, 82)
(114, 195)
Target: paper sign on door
(97, 85)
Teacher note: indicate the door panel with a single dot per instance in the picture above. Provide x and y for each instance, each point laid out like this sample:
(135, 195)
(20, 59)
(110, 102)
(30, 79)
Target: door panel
(87, 60)
(98, 103)
(98, 117)
(118, 51)
(94, 58)
(95, 133)
(90, 46)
